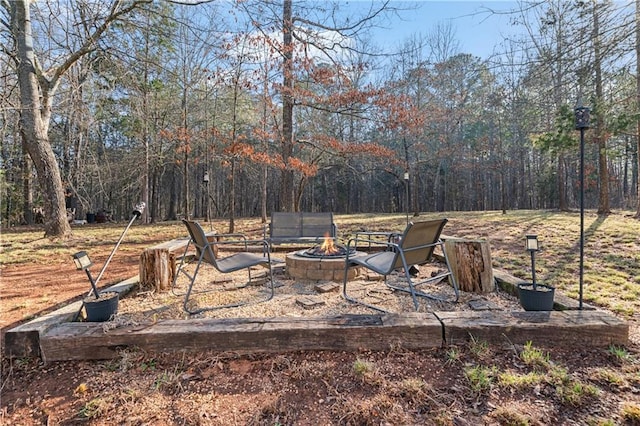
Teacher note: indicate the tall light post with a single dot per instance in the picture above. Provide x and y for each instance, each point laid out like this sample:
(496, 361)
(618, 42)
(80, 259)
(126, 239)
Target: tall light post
(205, 180)
(582, 124)
(406, 192)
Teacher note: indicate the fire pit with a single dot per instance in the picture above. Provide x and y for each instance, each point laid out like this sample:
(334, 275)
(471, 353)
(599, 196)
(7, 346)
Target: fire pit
(324, 262)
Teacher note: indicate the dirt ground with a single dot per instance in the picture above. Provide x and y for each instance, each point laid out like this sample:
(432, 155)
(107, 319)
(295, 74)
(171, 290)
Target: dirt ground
(466, 385)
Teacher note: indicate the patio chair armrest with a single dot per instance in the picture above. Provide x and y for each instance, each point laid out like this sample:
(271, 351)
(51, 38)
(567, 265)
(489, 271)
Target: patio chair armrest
(246, 243)
(237, 235)
(370, 234)
(387, 244)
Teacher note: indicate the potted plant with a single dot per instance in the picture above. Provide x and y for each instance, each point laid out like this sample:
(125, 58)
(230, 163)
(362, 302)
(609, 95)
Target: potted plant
(535, 296)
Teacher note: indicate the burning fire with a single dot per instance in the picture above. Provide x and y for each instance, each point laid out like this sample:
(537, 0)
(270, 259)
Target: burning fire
(327, 247)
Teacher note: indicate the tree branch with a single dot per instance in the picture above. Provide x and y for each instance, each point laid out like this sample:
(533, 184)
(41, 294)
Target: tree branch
(89, 44)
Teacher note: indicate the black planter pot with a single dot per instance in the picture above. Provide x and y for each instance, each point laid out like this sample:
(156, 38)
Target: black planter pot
(102, 308)
(540, 299)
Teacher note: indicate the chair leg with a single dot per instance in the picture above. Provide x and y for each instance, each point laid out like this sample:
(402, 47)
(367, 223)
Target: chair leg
(271, 283)
(229, 305)
(415, 292)
(179, 270)
(353, 300)
(188, 293)
(416, 305)
(454, 283)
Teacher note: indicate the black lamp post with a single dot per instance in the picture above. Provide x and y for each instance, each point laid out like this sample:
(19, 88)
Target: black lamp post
(205, 180)
(582, 123)
(406, 192)
(533, 247)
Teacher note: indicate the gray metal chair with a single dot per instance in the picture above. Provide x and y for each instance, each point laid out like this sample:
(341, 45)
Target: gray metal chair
(415, 247)
(206, 253)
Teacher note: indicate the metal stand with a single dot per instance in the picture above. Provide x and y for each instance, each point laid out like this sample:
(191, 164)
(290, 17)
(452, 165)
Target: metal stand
(137, 212)
(533, 268)
(406, 193)
(581, 267)
(582, 123)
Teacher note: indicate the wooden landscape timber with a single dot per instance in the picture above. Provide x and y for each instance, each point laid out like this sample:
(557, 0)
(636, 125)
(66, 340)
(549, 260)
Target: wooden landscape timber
(75, 341)
(56, 336)
(67, 340)
(83, 340)
(24, 340)
(544, 328)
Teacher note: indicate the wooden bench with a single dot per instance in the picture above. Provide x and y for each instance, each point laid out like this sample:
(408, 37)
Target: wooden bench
(299, 228)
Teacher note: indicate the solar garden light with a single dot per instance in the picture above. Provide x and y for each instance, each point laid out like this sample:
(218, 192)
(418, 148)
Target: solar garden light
(582, 123)
(533, 247)
(83, 263)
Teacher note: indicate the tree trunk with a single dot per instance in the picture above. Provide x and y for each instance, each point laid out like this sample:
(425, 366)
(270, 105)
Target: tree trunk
(638, 100)
(603, 194)
(157, 269)
(562, 193)
(232, 198)
(34, 120)
(286, 189)
(27, 190)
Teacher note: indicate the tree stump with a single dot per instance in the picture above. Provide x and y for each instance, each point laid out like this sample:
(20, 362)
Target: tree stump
(157, 269)
(158, 266)
(470, 262)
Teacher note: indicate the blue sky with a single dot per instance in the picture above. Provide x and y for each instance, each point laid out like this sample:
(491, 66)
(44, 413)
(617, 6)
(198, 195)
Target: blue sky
(477, 30)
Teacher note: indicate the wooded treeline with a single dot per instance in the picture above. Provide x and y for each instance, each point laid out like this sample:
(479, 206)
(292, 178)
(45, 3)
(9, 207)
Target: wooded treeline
(284, 105)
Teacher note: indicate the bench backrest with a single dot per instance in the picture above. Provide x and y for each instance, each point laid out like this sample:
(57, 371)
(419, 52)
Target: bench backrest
(301, 225)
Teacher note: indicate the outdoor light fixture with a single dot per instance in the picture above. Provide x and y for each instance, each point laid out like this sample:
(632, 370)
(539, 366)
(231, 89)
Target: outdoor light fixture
(138, 209)
(582, 123)
(205, 180)
(532, 243)
(582, 114)
(83, 263)
(534, 296)
(533, 247)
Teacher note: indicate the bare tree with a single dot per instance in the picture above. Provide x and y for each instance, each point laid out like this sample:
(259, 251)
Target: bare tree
(637, 33)
(302, 32)
(38, 88)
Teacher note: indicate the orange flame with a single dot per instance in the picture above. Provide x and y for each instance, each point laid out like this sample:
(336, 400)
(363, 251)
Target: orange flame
(327, 247)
